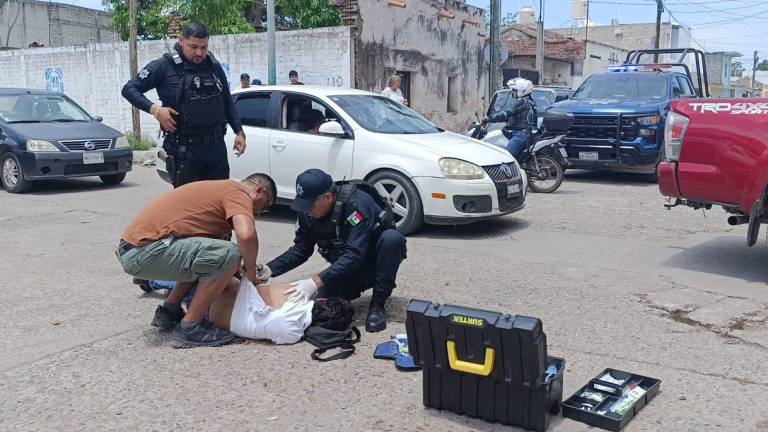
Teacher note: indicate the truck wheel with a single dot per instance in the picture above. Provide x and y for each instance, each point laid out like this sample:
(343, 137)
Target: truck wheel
(113, 179)
(12, 175)
(405, 199)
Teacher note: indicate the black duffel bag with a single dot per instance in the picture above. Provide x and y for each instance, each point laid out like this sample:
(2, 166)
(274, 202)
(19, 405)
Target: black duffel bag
(332, 328)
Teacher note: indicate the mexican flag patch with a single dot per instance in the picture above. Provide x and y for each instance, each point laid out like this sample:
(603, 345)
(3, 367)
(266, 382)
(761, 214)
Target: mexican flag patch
(355, 218)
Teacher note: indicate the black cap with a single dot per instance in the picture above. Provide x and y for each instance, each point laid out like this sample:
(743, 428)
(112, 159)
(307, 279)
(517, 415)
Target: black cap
(309, 185)
(244, 76)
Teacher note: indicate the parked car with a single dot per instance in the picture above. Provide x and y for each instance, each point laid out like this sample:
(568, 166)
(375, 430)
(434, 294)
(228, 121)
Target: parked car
(430, 175)
(716, 155)
(46, 135)
(619, 114)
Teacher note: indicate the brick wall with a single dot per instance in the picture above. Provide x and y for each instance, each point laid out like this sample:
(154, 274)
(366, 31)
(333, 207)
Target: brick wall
(94, 75)
(54, 24)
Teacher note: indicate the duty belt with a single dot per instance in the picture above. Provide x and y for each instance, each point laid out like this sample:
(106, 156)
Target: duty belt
(196, 139)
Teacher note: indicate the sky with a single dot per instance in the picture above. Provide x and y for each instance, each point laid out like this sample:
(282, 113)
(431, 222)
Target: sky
(720, 25)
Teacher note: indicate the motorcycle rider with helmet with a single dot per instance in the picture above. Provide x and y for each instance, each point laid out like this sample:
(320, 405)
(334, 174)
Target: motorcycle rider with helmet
(520, 116)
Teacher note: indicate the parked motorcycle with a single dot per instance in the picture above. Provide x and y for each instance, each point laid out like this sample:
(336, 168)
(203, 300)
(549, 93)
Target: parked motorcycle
(544, 159)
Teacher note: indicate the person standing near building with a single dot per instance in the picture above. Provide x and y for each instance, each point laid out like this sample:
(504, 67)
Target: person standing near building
(392, 90)
(196, 107)
(245, 80)
(293, 76)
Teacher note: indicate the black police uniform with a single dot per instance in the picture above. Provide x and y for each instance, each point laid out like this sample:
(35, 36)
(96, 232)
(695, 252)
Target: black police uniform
(362, 254)
(201, 96)
(520, 116)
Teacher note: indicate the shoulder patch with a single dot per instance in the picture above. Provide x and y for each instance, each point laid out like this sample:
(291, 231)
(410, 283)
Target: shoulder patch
(144, 73)
(355, 219)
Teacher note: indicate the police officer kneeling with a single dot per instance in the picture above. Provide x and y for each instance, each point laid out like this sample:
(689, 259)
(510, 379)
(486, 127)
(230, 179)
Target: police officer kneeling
(352, 226)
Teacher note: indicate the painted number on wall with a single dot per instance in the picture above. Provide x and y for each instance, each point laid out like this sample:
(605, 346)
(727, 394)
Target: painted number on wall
(334, 81)
(54, 80)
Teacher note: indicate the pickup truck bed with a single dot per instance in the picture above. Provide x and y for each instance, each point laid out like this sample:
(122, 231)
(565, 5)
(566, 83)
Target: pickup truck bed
(723, 157)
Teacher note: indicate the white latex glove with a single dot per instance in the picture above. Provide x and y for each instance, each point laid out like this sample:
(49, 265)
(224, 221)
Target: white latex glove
(263, 273)
(304, 288)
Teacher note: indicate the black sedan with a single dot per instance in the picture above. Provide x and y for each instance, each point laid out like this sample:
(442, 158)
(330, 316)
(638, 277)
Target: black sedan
(45, 135)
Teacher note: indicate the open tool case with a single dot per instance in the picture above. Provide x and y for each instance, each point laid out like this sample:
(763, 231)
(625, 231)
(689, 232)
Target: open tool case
(611, 399)
(485, 364)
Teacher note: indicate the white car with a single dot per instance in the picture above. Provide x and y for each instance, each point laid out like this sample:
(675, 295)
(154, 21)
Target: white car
(430, 175)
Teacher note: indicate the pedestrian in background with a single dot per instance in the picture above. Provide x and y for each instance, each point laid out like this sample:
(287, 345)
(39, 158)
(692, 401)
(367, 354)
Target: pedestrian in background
(392, 90)
(245, 81)
(294, 77)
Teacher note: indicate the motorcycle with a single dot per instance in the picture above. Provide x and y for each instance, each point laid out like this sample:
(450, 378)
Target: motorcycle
(544, 159)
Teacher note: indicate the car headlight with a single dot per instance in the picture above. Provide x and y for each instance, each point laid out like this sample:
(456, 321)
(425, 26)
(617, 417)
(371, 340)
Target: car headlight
(649, 120)
(122, 142)
(41, 146)
(460, 170)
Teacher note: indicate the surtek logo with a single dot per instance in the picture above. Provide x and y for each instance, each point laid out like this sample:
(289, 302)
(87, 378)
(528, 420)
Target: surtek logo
(467, 321)
(741, 108)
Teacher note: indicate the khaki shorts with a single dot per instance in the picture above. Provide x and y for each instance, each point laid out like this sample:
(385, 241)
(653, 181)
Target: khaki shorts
(183, 260)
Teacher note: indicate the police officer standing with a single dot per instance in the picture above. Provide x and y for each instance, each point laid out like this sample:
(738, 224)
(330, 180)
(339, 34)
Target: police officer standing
(196, 106)
(353, 229)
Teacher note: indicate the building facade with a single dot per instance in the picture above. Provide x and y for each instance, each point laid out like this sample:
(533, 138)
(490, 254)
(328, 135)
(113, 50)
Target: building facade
(435, 46)
(39, 23)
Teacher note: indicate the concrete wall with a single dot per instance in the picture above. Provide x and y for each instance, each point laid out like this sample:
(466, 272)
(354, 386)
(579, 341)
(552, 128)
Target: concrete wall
(53, 25)
(625, 36)
(433, 49)
(94, 75)
(556, 72)
(598, 57)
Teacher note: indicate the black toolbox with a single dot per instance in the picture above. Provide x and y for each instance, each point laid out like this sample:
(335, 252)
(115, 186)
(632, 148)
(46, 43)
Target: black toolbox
(485, 364)
(611, 399)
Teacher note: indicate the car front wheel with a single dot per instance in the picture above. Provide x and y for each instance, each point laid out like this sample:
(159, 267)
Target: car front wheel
(113, 179)
(405, 199)
(12, 176)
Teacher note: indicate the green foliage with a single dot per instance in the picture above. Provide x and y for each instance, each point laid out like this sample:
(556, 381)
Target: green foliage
(140, 143)
(305, 14)
(762, 66)
(151, 18)
(220, 16)
(737, 69)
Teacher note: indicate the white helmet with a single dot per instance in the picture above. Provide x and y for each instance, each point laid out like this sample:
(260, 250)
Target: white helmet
(522, 86)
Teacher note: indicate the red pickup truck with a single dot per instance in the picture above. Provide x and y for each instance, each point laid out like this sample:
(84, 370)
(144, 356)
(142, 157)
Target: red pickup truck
(716, 153)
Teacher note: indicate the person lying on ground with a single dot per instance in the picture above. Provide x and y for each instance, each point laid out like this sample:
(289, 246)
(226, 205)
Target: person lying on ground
(275, 312)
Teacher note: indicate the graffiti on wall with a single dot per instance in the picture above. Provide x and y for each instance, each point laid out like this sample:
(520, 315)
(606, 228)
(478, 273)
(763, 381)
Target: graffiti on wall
(54, 79)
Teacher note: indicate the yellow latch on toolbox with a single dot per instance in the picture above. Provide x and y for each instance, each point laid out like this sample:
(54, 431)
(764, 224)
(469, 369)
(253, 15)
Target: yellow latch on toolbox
(482, 369)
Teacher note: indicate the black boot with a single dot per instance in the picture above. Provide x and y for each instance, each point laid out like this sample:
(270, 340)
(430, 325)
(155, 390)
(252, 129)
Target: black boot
(377, 317)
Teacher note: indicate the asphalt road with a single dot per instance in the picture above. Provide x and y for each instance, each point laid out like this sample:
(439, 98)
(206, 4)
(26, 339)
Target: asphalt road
(617, 280)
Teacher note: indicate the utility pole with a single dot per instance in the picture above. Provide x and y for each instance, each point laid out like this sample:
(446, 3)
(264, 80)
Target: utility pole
(586, 24)
(494, 51)
(540, 43)
(134, 63)
(754, 70)
(659, 11)
(272, 68)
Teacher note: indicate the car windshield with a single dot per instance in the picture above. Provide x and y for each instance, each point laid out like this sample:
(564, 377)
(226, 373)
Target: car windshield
(383, 115)
(618, 86)
(31, 108)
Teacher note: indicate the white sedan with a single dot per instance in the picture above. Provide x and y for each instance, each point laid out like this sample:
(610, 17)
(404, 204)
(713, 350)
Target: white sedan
(430, 175)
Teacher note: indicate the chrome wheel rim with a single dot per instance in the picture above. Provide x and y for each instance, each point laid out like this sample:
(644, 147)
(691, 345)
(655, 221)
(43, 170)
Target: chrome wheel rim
(395, 193)
(10, 173)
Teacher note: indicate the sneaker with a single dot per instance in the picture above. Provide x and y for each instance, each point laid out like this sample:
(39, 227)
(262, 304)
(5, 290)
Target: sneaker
(376, 320)
(167, 319)
(143, 284)
(201, 334)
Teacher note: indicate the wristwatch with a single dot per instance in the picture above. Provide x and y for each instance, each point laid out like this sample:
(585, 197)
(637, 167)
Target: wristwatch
(241, 133)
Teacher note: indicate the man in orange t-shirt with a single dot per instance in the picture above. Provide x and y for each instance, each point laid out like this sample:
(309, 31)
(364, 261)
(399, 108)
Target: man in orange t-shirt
(182, 236)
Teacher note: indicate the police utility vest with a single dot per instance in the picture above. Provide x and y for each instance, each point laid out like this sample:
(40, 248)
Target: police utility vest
(328, 233)
(523, 116)
(199, 98)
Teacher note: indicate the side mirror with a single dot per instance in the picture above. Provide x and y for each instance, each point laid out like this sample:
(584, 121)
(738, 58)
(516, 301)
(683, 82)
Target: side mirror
(98, 119)
(332, 128)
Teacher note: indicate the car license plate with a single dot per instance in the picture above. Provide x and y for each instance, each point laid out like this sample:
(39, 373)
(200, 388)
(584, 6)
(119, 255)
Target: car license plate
(563, 152)
(93, 158)
(513, 189)
(588, 156)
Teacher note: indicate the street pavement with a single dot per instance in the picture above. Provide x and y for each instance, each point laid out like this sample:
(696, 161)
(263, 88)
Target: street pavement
(617, 280)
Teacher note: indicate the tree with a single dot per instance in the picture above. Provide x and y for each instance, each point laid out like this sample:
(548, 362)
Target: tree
(762, 66)
(19, 7)
(304, 14)
(737, 69)
(152, 18)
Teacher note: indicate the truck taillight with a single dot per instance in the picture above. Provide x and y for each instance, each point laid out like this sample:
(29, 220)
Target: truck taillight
(674, 133)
